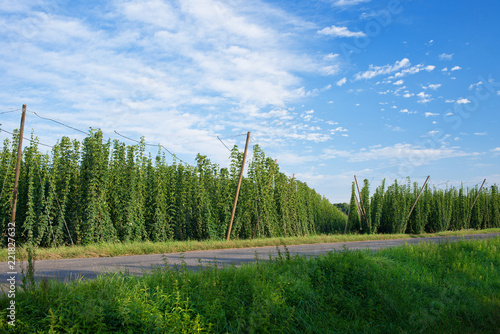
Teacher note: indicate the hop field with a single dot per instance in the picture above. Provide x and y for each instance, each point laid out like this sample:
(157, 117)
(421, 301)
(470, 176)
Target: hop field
(99, 191)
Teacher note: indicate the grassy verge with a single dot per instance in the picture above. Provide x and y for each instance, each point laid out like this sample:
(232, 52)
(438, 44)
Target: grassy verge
(141, 248)
(425, 288)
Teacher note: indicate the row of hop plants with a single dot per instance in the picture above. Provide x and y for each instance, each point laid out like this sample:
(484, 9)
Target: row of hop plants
(388, 209)
(104, 191)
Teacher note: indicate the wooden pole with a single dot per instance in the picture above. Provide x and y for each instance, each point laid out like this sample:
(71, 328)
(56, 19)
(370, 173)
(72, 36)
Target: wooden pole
(474, 203)
(18, 167)
(357, 205)
(238, 188)
(420, 193)
(363, 211)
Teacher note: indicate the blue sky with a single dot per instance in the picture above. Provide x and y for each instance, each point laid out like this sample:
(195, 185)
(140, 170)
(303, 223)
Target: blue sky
(331, 88)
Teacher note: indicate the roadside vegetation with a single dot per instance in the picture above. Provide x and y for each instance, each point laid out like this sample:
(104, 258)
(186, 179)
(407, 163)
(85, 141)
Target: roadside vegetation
(449, 287)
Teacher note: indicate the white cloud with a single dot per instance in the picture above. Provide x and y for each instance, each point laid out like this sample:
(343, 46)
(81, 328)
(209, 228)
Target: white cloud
(336, 31)
(445, 56)
(424, 98)
(337, 130)
(445, 69)
(414, 70)
(496, 150)
(429, 114)
(449, 101)
(331, 69)
(481, 133)
(331, 56)
(381, 70)
(463, 101)
(406, 111)
(434, 86)
(475, 85)
(341, 82)
(407, 95)
(399, 82)
(456, 68)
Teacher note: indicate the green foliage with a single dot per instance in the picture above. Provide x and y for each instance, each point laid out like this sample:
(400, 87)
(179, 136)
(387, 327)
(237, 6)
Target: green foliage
(494, 207)
(95, 221)
(436, 210)
(7, 171)
(366, 225)
(103, 191)
(353, 217)
(376, 207)
(344, 207)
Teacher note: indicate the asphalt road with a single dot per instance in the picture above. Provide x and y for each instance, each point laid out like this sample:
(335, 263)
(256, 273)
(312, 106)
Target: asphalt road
(69, 269)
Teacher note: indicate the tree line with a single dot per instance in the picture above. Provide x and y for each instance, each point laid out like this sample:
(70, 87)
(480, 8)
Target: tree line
(388, 209)
(100, 190)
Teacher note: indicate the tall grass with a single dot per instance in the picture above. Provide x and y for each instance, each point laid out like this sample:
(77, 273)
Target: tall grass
(425, 288)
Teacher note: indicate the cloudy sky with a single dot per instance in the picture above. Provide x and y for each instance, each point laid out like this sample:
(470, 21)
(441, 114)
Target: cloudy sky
(331, 88)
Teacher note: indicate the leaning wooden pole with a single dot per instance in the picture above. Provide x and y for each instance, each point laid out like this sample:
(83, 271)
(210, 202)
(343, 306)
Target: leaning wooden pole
(238, 188)
(18, 167)
(360, 213)
(475, 199)
(420, 193)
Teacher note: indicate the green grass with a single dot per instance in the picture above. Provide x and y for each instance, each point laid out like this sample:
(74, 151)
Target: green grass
(147, 247)
(450, 287)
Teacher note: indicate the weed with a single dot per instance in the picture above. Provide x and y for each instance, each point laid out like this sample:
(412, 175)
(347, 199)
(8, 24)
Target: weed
(28, 270)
